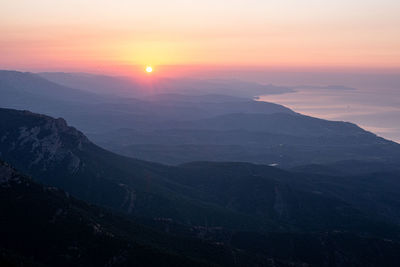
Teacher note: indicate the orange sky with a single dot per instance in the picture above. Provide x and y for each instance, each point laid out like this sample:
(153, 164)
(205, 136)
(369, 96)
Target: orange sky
(89, 34)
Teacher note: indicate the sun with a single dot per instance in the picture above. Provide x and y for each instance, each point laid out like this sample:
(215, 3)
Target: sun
(149, 69)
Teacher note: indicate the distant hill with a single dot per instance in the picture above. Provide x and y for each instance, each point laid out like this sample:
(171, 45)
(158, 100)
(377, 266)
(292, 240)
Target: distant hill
(285, 139)
(204, 98)
(98, 84)
(95, 112)
(129, 87)
(276, 123)
(22, 86)
(175, 128)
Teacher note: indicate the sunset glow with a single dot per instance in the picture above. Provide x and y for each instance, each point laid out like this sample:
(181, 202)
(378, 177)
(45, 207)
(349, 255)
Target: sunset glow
(149, 69)
(94, 34)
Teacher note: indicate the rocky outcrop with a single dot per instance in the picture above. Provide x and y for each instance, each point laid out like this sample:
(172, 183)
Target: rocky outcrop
(7, 174)
(47, 142)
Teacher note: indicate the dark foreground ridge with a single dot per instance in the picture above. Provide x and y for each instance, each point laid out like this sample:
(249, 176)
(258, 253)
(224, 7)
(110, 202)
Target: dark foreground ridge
(230, 214)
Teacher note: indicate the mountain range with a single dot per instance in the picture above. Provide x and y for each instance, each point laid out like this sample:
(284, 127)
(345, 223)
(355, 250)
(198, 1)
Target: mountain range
(175, 128)
(234, 205)
(66, 201)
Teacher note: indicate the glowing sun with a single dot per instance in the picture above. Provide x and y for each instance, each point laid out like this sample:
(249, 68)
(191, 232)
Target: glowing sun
(149, 69)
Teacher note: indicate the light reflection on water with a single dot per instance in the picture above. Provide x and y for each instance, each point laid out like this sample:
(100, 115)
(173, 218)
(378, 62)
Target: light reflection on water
(375, 110)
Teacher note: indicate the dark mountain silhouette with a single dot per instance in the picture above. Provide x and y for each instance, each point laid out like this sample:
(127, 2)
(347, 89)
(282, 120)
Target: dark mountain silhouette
(281, 211)
(258, 197)
(44, 226)
(349, 167)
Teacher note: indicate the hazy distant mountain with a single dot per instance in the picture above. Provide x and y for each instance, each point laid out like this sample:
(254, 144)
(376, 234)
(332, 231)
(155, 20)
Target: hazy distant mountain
(99, 84)
(232, 87)
(96, 112)
(287, 139)
(204, 98)
(129, 87)
(176, 128)
(277, 123)
(30, 91)
(15, 86)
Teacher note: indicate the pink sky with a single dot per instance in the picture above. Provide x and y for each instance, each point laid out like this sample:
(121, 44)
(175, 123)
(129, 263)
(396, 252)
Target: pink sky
(89, 34)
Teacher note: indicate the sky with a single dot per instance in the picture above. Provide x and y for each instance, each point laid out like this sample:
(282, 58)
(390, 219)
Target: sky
(353, 43)
(122, 34)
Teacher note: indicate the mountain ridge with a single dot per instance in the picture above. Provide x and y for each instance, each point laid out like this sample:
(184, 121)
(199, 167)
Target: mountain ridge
(143, 188)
